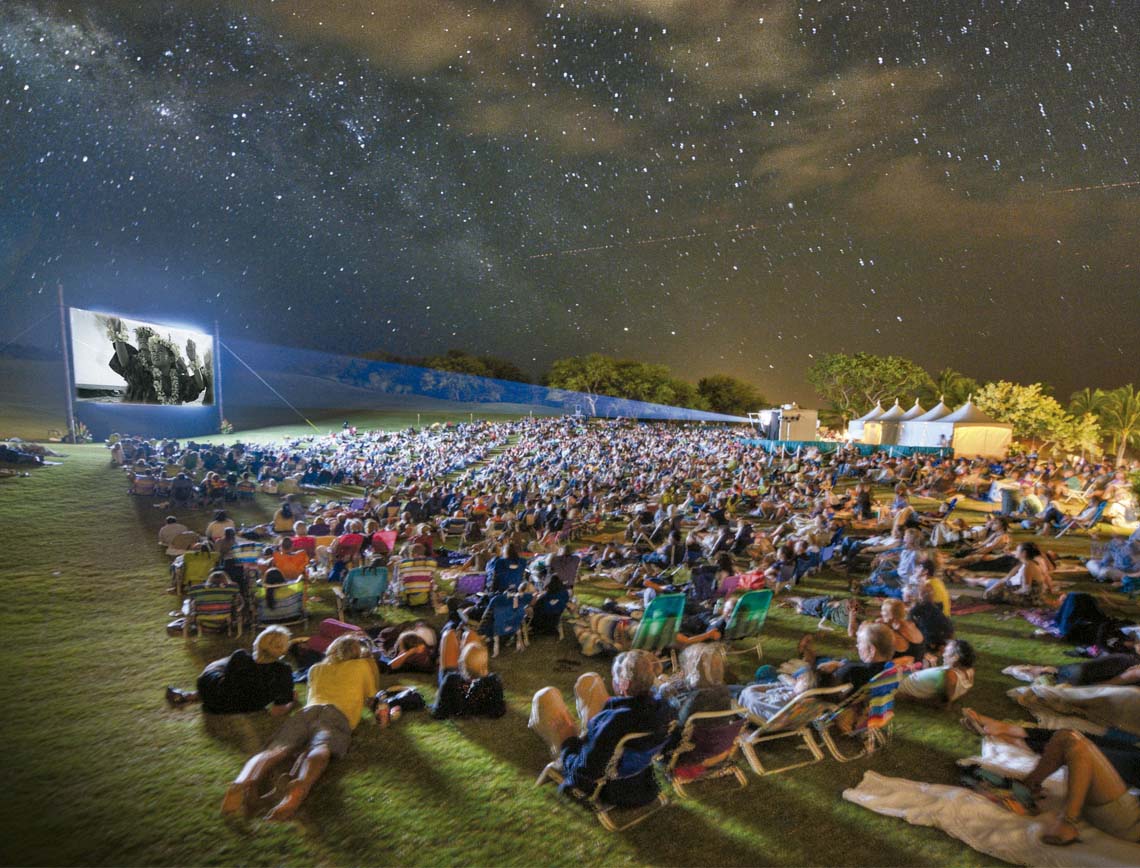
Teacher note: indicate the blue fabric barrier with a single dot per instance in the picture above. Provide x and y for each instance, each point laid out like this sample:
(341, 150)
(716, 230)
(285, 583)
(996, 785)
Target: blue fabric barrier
(826, 447)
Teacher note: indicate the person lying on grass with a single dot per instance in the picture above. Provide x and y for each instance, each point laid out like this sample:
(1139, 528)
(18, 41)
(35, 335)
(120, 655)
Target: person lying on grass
(946, 683)
(339, 687)
(1027, 584)
(1100, 769)
(242, 682)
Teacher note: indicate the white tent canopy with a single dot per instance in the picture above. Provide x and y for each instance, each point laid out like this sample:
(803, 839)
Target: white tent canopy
(914, 412)
(855, 426)
(884, 431)
(970, 432)
(913, 431)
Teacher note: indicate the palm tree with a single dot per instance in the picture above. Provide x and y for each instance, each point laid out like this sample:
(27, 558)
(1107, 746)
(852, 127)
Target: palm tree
(1120, 418)
(950, 386)
(1086, 401)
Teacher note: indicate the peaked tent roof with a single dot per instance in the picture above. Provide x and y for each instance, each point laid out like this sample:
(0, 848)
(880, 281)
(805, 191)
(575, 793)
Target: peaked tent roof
(914, 412)
(968, 412)
(935, 413)
(894, 414)
(872, 414)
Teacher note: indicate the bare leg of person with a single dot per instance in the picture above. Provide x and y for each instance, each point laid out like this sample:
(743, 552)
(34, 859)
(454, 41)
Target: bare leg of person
(994, 728)
(448, 650)
(590, 695)
(1092, 781)
(550, 719)
(313, 766)
(242, 792)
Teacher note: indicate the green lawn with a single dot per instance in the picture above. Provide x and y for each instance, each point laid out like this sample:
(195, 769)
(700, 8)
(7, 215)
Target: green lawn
(100, 771)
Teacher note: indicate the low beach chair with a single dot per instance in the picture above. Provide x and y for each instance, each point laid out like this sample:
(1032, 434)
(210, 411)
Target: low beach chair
(795, 720)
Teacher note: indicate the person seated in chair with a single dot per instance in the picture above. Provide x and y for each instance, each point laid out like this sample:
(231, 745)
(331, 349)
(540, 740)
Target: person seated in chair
(584, 751)
(548, 607)
(171, 529)
(507, 571)
(467, 687)
(242, 683)
(339, 687)
(875, 645)
(290, 561)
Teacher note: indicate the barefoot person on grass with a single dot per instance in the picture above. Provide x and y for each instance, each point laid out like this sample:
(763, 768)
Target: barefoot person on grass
(339, 687)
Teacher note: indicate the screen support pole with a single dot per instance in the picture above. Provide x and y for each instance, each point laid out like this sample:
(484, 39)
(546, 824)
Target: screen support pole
(66, 364)
(218, 374)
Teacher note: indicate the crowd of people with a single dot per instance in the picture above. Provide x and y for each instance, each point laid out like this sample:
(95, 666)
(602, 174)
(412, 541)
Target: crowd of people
(540, 506)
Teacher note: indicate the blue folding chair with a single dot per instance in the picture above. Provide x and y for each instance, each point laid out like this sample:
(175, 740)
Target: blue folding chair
(362, 590)
(508, 619)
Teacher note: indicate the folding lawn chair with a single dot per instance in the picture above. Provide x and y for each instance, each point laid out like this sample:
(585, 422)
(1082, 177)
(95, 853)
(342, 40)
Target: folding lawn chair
(1076, 522)
(747, 621)
(659, 625)
(288, 604)
(192, 569)
(415, 581)
(362, 590)
(707, 750)
(182, 543)
(632, 755)
(213, 609)
(864, 717)
(795, 719)
(551, 609)
(508, 620)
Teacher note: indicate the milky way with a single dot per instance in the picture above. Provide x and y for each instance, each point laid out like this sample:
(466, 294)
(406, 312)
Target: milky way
(719, 186)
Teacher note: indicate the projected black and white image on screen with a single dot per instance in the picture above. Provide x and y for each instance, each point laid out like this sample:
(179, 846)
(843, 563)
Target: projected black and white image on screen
(124, 361)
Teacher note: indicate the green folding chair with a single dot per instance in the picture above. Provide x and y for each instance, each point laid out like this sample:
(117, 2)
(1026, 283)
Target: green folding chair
(746, 622)
(659, 625)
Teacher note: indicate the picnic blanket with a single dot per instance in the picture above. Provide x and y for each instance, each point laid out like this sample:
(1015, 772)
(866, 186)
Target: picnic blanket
(1105, 704)
(982, 825)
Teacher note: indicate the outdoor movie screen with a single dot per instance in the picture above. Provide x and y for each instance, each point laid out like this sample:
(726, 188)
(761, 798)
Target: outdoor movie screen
(117, 360)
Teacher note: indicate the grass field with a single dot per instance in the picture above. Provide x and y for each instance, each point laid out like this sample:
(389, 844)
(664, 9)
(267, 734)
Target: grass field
(100, 771)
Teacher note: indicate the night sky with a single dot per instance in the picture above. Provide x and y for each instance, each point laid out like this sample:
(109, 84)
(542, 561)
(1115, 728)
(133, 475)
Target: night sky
(720, 186)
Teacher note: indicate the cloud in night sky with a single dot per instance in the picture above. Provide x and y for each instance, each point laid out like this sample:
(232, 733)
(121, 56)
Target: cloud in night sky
(721, 186)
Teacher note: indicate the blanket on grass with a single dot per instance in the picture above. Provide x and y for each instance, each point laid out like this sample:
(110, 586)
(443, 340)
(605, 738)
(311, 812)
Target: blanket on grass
(1104, 704)
(982, 825)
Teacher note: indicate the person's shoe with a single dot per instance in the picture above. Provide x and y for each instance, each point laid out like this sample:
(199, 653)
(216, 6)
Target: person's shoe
(176, 697)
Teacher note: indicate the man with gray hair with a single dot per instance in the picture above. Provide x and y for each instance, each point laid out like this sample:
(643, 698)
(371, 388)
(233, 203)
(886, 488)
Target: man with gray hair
(605, 720)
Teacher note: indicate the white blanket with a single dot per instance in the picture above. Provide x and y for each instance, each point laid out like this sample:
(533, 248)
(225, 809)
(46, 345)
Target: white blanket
(1104, 704)
(982, 825)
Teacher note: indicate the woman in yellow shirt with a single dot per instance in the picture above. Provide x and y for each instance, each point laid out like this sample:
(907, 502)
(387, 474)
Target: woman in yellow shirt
(339, 687)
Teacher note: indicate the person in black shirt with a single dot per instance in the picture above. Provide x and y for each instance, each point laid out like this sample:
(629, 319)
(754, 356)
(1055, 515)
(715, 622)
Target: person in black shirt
(466, 687)
(245, 682)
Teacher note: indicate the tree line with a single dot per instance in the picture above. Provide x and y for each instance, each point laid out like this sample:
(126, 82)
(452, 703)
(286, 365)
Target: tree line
(598, 375)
